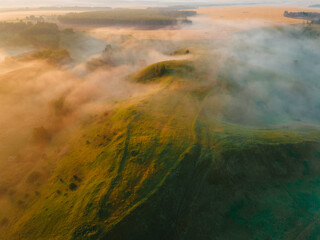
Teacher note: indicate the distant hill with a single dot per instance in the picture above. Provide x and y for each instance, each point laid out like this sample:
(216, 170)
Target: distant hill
(128, 17)
(164, 166)
(302, 15)
(315, 6)
(205, 155)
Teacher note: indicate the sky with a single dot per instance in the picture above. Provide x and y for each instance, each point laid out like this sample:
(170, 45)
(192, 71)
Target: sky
(31, 3)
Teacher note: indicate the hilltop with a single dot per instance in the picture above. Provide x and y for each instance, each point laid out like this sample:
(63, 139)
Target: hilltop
(162, 160)
(220, 142)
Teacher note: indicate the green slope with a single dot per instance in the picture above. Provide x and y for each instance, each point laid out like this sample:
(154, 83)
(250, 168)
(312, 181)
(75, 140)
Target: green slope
(162, 168)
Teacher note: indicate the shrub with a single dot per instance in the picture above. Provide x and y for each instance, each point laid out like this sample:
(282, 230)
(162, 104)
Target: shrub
(53, 55)
(34, 177)
(73, 186)
(41, 135)
(4, 221)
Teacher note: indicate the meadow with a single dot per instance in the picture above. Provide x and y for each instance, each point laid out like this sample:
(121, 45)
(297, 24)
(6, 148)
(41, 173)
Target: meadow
(173, 133)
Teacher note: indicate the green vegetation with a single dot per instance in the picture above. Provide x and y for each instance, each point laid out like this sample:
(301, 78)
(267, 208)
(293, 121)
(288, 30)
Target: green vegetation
(59, 107)
(302, 15)
(129, 17)
(34, 177)
(41, 135)
(311, 17)
(165, 161)
(315, 21)
(112, 163)
(45, 40)
(182, 51)
(156, 71)
(173, 164)
(52, 56)
(39, 35)
(48, 41)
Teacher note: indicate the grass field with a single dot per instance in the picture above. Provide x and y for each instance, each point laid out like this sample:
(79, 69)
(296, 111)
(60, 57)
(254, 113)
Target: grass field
(221, 144)
(161, 159)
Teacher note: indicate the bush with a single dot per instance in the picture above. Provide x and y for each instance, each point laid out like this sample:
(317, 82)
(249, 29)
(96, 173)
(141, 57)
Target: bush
(68, 30)
(4, 221)
(3, 190)
(53, 56)
(73, 186)
(34, 177)
(41, 135)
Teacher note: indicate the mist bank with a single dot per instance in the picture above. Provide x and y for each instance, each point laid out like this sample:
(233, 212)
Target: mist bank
(55, 96)
(89, 137)
(45, 104)
(272, 75)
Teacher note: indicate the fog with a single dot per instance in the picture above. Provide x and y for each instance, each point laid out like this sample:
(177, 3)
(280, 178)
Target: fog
(43, 104)
(29, 90)
(273, 73)
(267, 76)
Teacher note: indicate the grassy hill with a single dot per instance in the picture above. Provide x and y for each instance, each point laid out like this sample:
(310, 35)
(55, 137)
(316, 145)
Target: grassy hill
(156, 71)
(162, 167)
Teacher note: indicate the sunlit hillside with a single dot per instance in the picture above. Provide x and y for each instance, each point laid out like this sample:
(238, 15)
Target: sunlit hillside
(179, 122)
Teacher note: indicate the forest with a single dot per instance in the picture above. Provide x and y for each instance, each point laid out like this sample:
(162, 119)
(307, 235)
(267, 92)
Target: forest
(129, 17)
(39, 35)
